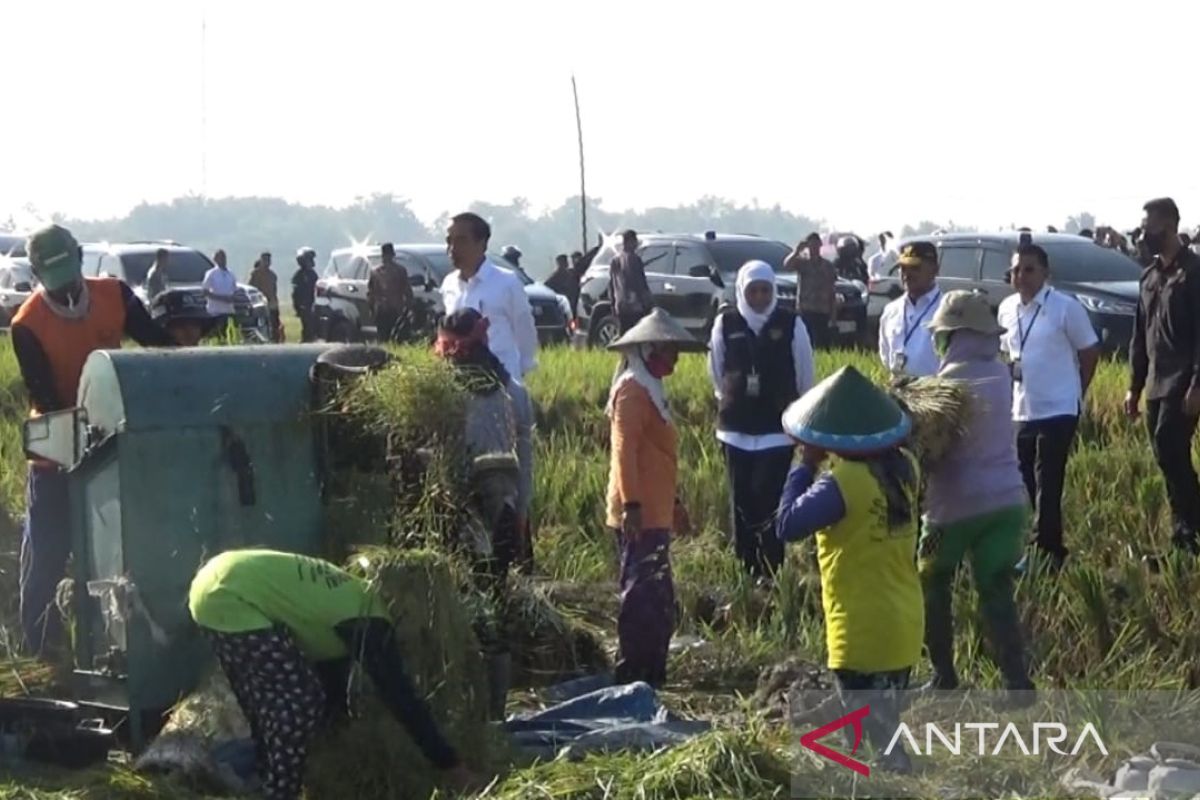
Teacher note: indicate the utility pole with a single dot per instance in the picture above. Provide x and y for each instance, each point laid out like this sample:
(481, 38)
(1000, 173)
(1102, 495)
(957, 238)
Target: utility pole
(204, 98)
(582, 183)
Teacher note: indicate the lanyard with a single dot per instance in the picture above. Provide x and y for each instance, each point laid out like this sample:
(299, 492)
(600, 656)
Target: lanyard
(1023, 334)
(909, 331)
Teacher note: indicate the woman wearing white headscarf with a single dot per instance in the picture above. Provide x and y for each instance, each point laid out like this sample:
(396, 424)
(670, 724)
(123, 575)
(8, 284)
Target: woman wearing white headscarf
(761, 360)
(642, 499)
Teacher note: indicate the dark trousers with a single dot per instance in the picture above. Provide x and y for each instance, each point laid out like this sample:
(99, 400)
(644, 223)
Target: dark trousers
(386, 320)
(1171, 433)
(756, 481)
(276, 326)
(627, 319)
(45, 547)
(308, 324)
(819, 332)
(646, 618)
(882, 692)
(1044, 446)
(282, 697)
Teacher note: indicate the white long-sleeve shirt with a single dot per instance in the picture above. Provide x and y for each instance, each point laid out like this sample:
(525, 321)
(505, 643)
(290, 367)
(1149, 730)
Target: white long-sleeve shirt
(905, 341)
(498, 295)
(802, 357)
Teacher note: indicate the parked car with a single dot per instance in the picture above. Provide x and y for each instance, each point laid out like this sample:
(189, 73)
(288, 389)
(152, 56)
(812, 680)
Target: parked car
(16, 284)
(186, 267)
(1104, 281)
(12, 244)
(341, 294)
(693, 275)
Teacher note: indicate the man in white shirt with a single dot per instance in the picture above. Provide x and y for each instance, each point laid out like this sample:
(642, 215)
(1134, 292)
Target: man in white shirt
(880, 264)
(1053, 350)
(220, 290)
(498, 295)
(905, 341)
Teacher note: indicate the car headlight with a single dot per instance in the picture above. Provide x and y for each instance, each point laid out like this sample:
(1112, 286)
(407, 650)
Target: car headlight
(1106, 305)
(256, 297)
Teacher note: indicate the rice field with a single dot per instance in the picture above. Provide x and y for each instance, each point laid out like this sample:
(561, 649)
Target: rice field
(1109, 621)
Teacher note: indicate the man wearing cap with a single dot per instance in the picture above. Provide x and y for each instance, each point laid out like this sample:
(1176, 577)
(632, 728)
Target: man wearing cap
(643, 505)
(976, 506)
(1164, 359)
(389, 295)
(905, 343)
(816, 289)
(1052, 350)
(53, 333)
(304, 286)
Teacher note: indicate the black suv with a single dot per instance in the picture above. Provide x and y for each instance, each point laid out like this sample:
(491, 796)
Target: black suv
(341, 308)
(692, 275)
(186, 267)
(1104, 281)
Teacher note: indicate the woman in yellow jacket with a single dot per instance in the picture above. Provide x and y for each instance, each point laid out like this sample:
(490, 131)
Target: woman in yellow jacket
(642, 501)
(863, 511)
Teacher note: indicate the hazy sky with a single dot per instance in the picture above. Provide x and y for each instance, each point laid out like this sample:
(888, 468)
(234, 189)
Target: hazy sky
(867, 114)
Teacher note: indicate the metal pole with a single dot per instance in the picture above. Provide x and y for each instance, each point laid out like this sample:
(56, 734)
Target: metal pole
(204, 99)
(582, 183)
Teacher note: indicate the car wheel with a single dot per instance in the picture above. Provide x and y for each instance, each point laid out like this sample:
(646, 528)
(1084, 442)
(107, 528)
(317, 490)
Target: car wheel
(606, 331)
(340, 331)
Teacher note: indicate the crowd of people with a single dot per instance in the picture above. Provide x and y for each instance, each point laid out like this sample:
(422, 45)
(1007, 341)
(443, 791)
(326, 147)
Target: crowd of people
(829, 460)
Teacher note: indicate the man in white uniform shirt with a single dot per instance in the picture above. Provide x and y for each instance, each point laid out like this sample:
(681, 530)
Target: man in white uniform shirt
(1053, 350)
(880, 265)
(905, 341)
(220, 290)
(498, 295)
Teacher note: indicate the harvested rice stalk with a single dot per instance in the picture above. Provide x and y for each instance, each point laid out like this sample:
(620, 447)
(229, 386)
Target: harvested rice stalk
(371, 757)
(941, 409)
(548, 644)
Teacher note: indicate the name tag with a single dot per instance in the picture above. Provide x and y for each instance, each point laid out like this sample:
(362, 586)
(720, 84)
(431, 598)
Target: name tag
(753, 385)
(1015, 369)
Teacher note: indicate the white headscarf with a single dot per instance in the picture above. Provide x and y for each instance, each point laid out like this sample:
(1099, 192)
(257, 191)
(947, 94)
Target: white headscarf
(633, 368)
(750, 272)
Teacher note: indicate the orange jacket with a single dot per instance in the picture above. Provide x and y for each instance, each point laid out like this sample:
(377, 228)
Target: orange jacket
(644, 460)
(68, 342)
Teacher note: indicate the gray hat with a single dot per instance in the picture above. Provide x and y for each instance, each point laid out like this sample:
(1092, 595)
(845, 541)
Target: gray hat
(658, 327)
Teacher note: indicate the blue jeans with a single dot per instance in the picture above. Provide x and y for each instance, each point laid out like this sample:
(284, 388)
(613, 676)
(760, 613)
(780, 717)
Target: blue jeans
(45, 547)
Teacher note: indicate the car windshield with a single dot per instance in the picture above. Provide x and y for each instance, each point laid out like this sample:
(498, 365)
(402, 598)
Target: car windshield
(731, 254)
(1090, 263)
(183, 266)
(12, 245)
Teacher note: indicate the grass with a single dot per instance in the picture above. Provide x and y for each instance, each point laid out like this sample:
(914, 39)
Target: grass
(1109, 622)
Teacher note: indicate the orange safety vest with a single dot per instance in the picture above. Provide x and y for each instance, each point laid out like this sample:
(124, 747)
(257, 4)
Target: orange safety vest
(68, 342)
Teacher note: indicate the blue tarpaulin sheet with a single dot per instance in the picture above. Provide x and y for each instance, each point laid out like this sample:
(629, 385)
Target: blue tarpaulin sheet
(592, 719)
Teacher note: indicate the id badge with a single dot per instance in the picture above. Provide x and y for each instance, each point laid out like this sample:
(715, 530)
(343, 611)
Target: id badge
(753, 385)
(899, 362)
(1015, 368)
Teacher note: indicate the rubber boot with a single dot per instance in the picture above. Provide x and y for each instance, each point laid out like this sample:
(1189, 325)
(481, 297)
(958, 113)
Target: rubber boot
(499, 669)
(1003, 626)
(939, 630)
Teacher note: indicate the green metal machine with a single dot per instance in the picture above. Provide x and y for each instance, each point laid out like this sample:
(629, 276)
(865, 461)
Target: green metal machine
(174, 456)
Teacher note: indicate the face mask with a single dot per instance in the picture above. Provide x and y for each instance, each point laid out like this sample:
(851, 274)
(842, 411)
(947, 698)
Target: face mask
(941, 342)
(659, 365)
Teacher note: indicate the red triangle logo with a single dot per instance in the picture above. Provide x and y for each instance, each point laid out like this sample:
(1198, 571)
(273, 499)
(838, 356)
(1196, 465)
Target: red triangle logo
(854, 718)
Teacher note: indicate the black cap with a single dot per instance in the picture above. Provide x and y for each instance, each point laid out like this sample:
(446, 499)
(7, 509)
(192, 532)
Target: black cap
(1163, 206)
(812, 236)
(915, 253)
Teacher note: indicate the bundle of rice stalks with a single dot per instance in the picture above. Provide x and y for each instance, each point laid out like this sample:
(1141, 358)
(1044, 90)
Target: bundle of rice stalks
(940, 408)
(549, 645)
(749, 763)
(415, 409)
(371, 757)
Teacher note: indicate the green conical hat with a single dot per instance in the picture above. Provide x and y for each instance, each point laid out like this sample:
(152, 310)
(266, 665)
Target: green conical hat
(847, 413)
